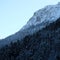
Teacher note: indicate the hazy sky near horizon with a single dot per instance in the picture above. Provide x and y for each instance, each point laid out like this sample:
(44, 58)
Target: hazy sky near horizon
(14, 14)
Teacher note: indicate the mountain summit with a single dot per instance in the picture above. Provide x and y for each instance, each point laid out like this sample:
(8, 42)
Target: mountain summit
(48, 14)
(38, 21)
(39, 39)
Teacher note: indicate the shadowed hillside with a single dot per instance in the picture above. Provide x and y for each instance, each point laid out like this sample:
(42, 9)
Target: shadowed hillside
(42, 45)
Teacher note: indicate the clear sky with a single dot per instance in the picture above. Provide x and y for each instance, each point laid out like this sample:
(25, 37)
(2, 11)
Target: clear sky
(14, 14)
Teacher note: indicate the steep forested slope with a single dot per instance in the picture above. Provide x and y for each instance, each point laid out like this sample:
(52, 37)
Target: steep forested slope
(42, 45)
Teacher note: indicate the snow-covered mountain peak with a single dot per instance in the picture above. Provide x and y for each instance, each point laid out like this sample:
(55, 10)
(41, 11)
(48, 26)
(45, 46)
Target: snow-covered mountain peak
(48, 14)
(39, 20)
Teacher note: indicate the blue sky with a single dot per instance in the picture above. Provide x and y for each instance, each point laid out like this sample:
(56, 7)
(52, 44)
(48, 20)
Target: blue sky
(14, 14)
